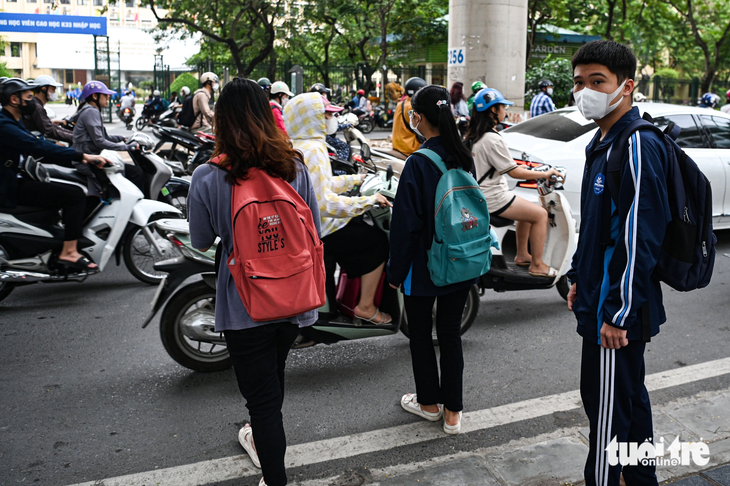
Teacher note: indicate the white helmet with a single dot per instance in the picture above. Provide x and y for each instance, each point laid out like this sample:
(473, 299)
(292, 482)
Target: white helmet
(156, 92)
(280, 87)
(184, 91)
(638, 97)
(46, 80)
(212, 77)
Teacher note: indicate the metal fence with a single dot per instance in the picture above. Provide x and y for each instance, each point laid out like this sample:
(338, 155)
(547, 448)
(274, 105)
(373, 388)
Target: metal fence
(677, 91)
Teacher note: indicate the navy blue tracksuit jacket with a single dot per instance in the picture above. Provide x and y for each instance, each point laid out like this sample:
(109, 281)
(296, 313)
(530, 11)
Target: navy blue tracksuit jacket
(614, 283)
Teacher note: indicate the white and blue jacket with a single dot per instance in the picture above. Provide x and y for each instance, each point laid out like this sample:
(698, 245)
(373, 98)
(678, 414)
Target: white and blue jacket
(614, 276)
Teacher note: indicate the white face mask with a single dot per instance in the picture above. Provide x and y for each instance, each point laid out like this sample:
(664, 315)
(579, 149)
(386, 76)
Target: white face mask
(331, 124)
(595, 105)
(52, 96)
(284, 101)
(415, 129)
(550, 91)
(216, 86)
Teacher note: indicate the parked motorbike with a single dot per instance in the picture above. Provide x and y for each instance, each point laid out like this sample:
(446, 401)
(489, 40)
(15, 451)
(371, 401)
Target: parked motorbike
(559, 245)
(187, 323)
(383, 118)
(183, 145)
(31, 238)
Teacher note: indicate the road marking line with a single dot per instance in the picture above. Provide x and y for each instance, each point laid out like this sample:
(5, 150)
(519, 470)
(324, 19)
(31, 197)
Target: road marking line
(225, 469)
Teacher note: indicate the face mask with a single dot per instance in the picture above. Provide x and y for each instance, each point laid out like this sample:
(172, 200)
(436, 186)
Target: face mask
(216, 86)
(550, 91)
(331, 125)
(27, 107)
(52, 96)
(284, 101)
(595, 105)
(415, 129)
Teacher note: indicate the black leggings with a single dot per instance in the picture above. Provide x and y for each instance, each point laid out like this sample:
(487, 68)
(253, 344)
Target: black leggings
(53, 195)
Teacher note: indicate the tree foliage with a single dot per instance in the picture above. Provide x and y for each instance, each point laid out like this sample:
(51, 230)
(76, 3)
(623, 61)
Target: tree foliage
(557, 70)
(185, 79)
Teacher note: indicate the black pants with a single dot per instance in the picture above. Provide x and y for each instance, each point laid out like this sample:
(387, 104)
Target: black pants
(135, 174)
(70, 199)
(259, 356)
(617, 404)
(450, 307)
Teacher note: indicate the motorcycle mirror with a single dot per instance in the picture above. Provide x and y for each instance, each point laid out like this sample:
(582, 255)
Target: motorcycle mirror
(365, 151)
(389, 173)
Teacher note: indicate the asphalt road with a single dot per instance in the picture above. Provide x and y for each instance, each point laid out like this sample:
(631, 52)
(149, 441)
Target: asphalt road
(86, 394)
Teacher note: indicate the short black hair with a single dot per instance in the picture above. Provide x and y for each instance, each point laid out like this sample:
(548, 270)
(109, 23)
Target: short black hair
(618, 58)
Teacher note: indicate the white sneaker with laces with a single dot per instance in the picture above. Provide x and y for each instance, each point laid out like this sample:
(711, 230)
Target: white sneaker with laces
(409, 402)
(245, 437)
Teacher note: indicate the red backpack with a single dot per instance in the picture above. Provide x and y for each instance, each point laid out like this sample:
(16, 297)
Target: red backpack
(278, 259)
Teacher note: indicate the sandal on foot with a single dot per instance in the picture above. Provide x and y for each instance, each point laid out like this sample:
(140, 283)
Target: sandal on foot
(245, 437)
(552, 273)
(409, 402)
(82, 264)
(385, 319)
(452, 429)
(523, 264)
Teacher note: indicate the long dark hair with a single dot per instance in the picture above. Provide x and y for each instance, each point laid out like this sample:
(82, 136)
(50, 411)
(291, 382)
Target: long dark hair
(457, 92)
(246, 135)
(426, 103)
(480, 123)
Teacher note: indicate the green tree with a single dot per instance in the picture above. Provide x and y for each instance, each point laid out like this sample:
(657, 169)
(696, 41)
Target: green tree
(245, 27)
(185, 79)
(557, 70)
(4, 73)
(539, 13)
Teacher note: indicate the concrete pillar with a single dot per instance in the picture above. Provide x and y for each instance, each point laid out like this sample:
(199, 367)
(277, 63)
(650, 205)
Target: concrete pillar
(488, 42)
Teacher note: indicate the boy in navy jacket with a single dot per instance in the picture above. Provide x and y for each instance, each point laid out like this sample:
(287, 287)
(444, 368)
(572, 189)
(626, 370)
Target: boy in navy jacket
(616, 300)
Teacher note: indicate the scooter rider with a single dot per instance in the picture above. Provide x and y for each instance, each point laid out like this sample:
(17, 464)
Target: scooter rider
(321, 89)
(201, 102)
(17, 186)
(362, 103)
(279, 95)
(542, 102)
(90, 136)
(476, 87)
(493, 161)
(38, 121)
(127, 101)
(405, 139)
(709, 100)
(360, 249)
(265, 85)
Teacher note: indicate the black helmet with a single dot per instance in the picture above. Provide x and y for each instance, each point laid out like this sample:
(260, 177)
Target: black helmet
(11, 86)
(320, 88)
(413, 85)
(264, 83)
(544, 83)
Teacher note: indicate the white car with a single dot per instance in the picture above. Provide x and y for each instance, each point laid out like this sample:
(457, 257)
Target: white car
(560, 138)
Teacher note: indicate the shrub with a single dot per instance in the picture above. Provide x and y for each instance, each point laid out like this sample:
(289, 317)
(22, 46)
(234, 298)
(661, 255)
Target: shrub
(185, 79)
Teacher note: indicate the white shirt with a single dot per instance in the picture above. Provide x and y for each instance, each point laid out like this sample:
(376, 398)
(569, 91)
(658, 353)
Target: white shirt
(127, 101)
(726, 109)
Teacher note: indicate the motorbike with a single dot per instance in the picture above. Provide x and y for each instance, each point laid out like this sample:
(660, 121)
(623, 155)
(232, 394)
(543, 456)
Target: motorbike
(149, 118)
(383, 118)
(183, 145)
(203, 154)
(560, 245)
(31, 238)
(126, 115)
(187, 323)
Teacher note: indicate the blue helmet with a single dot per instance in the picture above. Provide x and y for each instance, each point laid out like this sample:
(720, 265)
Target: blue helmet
(489, 97)
(710, 100)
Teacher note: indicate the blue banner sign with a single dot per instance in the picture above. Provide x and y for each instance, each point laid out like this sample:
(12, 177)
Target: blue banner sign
(53, 24)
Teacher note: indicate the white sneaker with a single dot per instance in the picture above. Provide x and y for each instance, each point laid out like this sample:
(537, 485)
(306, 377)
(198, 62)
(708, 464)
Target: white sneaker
(245, 437)
(262, 483)
(452, 429)
(409, 402)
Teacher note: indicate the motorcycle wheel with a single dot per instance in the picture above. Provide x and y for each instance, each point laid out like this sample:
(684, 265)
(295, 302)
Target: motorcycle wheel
(140, 123)
(140, 256)
(5, 288)
(467, 317)
(198, 298)
(563, 287)
(366, 126)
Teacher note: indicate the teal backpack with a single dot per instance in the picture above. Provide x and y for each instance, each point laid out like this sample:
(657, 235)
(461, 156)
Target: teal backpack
(461, 244)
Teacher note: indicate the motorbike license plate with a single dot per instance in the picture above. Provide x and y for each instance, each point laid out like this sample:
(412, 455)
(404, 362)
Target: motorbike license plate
(158, 292)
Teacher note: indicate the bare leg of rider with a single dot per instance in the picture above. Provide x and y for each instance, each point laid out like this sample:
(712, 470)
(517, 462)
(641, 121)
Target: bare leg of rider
(522, 234)
(525, 211)
(368, 286)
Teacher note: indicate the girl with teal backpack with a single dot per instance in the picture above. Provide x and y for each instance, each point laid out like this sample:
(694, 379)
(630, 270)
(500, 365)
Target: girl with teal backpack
(439, 245)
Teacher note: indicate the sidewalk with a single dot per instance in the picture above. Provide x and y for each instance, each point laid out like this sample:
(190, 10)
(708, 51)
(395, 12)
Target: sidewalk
(558, 458)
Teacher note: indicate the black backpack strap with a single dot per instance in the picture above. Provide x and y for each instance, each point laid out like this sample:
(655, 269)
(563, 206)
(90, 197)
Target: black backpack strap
(489, 174)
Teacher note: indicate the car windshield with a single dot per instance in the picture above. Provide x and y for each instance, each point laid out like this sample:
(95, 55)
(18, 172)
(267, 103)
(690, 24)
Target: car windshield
(562, 126)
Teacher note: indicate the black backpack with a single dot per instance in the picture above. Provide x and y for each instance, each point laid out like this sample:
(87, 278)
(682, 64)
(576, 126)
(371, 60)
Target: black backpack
(187, 117)
(688, 252)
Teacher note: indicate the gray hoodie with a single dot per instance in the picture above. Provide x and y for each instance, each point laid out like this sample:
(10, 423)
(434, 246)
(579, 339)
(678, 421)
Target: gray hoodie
(90, 136)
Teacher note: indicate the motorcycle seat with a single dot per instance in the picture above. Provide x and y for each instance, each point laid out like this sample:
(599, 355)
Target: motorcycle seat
(499, 221)
(182, 134)
(21, 210)
(66, 174)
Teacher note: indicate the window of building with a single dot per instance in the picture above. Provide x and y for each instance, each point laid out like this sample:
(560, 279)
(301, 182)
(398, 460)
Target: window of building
(31, 1)
(11, 1)
(98, 3)
(129, 3)
(82, 2)
(114, 23)
(69, 76)
(65, 2)
(15, 49)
